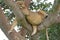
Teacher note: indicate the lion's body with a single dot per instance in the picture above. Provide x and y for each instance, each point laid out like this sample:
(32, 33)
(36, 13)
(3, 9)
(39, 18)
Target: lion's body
(34, 18)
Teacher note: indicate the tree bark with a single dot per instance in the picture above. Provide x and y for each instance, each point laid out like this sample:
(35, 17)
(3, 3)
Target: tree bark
(4, 23)
(19, 15)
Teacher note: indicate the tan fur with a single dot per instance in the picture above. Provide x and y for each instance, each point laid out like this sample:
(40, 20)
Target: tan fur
(34, 18)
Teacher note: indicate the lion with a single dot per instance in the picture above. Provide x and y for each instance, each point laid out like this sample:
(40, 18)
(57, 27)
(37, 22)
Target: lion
(34, 18)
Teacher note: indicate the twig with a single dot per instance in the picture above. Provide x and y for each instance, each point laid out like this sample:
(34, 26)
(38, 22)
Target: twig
(47, 37)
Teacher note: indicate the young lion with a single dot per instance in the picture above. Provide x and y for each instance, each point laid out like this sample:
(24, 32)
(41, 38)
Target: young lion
(34, 18)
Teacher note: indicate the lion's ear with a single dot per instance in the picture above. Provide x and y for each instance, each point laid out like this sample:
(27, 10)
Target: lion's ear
(43, 12)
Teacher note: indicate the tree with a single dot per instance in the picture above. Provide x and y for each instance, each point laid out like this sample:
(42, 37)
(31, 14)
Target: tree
(53, 15)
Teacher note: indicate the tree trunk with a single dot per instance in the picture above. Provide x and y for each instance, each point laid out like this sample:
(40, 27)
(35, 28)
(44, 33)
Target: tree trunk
(6, 26)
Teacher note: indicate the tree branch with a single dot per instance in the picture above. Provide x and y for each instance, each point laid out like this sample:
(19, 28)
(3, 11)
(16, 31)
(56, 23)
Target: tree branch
(19, 15)
(4, 23)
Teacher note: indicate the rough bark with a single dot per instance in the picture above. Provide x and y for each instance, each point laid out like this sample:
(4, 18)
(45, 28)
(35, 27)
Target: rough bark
(23, 32)
(19, 15)
(6, 26)
(4, 23)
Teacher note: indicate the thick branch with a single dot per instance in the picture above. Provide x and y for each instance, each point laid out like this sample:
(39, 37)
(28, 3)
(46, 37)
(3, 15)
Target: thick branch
(19, 15)
(4, 23)
(6, 26)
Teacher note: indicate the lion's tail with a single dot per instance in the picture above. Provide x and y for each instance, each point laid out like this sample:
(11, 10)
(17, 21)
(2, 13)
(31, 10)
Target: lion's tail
(34, 30)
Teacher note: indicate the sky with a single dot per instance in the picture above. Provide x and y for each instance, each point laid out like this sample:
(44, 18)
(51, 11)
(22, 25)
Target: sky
(4, 37)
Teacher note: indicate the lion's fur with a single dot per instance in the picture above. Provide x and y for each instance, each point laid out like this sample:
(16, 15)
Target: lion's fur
(34, 18)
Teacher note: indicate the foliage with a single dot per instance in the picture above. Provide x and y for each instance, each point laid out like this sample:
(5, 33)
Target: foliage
(7, 11)
(53, 31)
(43, 35)
(1, 1)
(40, 5)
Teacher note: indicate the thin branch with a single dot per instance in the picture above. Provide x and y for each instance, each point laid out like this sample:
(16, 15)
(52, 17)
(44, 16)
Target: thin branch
(47, 37)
